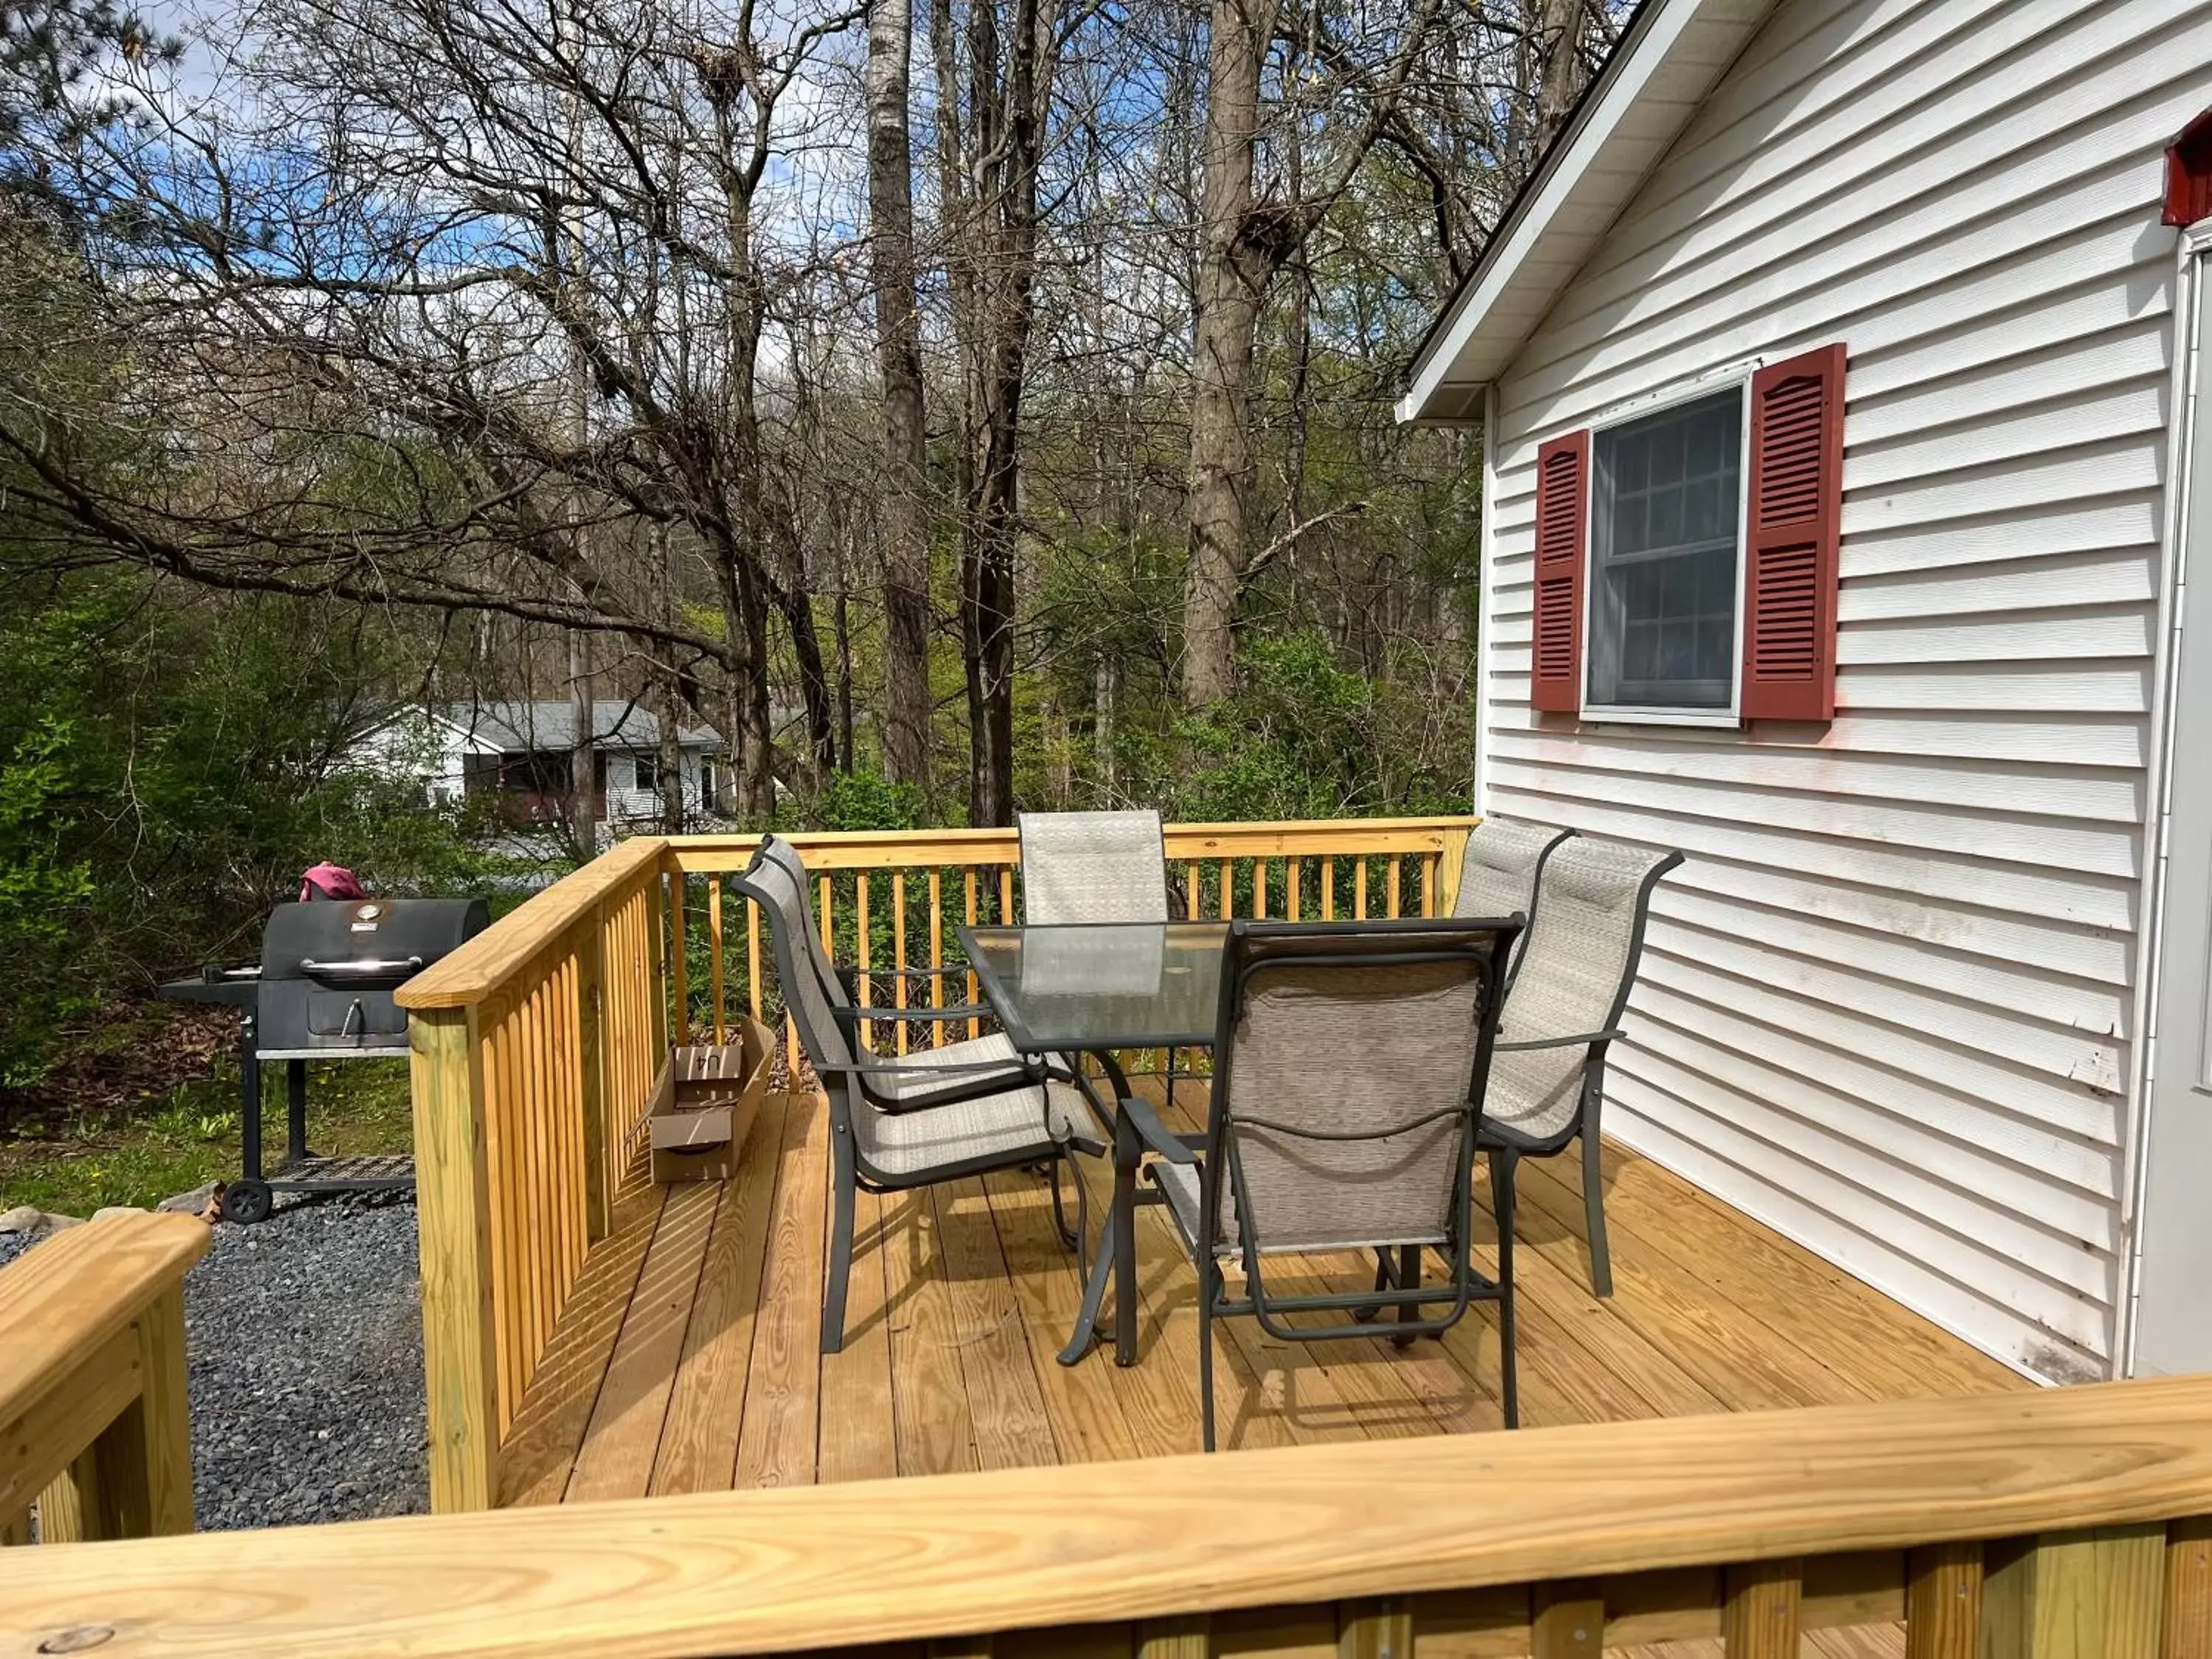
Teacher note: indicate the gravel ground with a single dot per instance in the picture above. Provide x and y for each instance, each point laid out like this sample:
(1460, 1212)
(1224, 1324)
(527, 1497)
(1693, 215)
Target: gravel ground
(305, 1338)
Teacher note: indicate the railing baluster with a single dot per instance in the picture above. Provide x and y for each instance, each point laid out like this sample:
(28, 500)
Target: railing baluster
(1259, 890)
(1191, 882)
(680, 974)
(862, 882)
(974, 1025)
(1360, 889)
(1943, 1602)
(898, 950)
(2188, 1623)
(1328, 890)
(1390, 897)
(1293, 868)
(1761, 1615)
(714, 971)
(936, 951)
(1567, 1621)
(1228, 890)
(1005, 895)
(1428, 884)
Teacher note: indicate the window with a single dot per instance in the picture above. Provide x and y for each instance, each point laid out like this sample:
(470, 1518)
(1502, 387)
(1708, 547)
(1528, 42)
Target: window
(646, 771)
(1666, 519)
(1686, 558)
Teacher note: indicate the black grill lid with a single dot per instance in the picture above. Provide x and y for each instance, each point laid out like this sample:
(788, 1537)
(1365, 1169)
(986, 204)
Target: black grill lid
(365, 941)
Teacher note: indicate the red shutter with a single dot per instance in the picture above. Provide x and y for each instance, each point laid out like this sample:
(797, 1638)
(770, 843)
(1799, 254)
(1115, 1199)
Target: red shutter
(1797, 512)
(1562, 520)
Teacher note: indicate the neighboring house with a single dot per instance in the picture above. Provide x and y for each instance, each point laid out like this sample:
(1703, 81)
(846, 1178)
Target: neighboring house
(522, 752)
(1835, 374)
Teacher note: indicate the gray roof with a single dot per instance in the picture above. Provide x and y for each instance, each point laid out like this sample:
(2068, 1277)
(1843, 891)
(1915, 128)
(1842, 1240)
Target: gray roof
(549, 725)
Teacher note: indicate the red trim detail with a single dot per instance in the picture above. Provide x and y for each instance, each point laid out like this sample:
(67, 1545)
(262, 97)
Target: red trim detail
(1562, 549)
(2188, 173)
(1796, 510)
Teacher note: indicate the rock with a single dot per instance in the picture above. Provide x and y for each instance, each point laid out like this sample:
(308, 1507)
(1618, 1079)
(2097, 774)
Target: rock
(55, 1223)
(23, 1218)
(107, 1210)
(199, 1201)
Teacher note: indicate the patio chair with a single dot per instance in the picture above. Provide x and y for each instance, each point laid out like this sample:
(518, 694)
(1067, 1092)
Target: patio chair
(1499, 874)
(1350, 1060)
(913, 1121)
(1087, 867)
(842, 987)
(1569, 989)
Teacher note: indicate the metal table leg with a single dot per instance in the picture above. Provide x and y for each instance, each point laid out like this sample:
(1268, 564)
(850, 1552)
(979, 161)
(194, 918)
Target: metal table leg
(1120, 1259)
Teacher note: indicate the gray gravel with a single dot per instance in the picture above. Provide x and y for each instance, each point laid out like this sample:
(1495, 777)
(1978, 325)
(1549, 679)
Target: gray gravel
(305, 1338)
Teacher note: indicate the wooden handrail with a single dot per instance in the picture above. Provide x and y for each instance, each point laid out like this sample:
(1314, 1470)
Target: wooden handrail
(92, 1379)
(1482, 1544)
(494, 956)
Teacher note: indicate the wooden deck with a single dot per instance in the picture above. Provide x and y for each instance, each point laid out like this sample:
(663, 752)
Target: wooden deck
(689, 1360)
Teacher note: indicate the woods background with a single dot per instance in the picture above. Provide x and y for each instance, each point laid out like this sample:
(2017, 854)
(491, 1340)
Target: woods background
(955, 404)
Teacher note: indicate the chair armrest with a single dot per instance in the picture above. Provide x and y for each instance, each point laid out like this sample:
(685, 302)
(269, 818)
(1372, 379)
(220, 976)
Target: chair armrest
(1155, 1135)
(1575, 1041)
(965, 1010)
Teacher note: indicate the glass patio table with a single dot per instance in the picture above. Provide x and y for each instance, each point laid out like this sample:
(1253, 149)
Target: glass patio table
(1095, 989)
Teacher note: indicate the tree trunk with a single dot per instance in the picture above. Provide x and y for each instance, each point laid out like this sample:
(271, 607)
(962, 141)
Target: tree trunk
(898, 349)
(1560, 29)
(583, 759)
(1230, 283)
(844, 625)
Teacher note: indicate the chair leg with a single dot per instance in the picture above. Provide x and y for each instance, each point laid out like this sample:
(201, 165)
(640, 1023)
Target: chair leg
(1383, 1280)
(1593, 1210)
(1408, 1278)
(1073, 1239)
(845, 1182)
(1206, 1353)
(1502, 1165)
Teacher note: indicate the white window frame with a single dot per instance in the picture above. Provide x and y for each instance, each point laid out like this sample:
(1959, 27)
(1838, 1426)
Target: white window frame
(1696, 390)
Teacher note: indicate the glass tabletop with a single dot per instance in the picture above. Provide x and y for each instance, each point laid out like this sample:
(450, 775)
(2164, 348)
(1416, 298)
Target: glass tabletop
(1101, 985)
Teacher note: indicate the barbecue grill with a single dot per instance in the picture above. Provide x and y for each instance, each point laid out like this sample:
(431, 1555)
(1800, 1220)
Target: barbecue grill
(322, 990)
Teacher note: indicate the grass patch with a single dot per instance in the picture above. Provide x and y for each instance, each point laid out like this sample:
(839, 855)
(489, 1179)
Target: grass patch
(171, 1144)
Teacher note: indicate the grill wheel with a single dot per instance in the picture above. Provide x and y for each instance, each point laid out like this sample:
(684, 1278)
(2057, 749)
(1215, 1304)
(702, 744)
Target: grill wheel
(246, 1202)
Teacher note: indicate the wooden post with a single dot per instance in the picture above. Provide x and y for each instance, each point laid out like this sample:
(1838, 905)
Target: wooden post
(1567, 1621)
(1760, 1618)
(593, 1084)
(2188, 1631)
(452, 1208)
(144, 1459)
(1943, 1602)
(1448, 870)
(2098, 1593)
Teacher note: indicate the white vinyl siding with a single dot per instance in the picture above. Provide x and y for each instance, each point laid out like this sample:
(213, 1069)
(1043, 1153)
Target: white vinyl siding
(1886, 1003)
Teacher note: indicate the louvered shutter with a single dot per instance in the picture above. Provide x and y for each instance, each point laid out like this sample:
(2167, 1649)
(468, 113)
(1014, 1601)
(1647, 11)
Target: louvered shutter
(1562, 542)
(1796, 509)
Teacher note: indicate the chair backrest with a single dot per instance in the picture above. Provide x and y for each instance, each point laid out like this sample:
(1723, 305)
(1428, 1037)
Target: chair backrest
(776, 881)
(1574, 976)
(1346, 1060)
(1497, 876)
(1093, 866)
(784, 857)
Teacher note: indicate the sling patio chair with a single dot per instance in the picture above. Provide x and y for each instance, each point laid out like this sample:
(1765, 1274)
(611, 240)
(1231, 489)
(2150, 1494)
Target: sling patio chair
(1499, 873)
(934, 1114)
(1089, 867)
(1570, 990)
(1349, 1061)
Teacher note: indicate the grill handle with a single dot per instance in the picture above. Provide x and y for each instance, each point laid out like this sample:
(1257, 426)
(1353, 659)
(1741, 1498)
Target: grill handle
(359, 967)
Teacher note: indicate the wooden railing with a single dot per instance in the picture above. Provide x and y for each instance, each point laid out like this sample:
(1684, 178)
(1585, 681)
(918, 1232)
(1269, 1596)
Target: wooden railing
(535, 1044)
(2068, 1524)
(93, 1420)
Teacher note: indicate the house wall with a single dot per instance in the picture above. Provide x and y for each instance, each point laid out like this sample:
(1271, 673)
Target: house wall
(1888, 1004)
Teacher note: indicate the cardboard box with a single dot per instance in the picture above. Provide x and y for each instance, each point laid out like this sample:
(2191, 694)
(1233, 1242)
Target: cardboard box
(704, 1103)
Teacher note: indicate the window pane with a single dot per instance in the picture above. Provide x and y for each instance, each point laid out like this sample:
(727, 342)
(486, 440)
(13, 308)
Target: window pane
(1664, 543)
